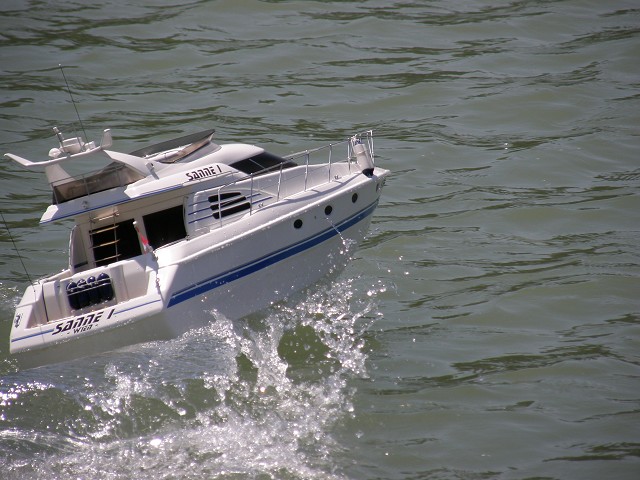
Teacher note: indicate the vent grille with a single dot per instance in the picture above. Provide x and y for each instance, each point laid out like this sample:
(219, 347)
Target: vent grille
(228, 203)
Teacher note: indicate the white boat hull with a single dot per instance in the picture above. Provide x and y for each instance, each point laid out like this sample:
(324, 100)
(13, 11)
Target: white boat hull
(186, 282)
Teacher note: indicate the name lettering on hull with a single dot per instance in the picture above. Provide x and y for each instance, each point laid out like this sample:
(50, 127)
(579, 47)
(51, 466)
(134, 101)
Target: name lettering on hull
(204, 172)
(83, 323)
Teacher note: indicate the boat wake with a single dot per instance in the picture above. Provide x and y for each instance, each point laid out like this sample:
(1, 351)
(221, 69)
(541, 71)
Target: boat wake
(259, 396)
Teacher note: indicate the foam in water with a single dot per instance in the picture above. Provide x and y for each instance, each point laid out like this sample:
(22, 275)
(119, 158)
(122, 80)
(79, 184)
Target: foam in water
(258, 396)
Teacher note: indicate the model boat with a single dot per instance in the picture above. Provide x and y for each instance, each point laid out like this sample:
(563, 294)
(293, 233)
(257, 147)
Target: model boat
(169, 232)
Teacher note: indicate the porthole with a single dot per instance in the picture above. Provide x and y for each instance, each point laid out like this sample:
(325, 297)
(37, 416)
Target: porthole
(297, 223)
(328, 209)
(354, 197)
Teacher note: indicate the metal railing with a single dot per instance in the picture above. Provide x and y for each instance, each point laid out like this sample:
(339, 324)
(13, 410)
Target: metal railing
(311, 167)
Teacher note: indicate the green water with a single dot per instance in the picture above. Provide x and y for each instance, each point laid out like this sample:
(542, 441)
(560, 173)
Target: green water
(488, 328)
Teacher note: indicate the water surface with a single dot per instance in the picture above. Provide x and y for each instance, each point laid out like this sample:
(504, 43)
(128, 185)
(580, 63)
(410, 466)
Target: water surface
(487, 328)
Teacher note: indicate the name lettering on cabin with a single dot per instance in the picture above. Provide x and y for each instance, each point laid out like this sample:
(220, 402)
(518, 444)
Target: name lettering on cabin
(204, 172)
(81, 324)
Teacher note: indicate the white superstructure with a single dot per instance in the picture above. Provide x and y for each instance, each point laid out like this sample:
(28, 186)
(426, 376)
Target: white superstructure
(171, 230)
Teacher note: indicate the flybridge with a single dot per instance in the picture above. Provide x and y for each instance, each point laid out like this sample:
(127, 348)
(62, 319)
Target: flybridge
(158, 172)
(122, 169)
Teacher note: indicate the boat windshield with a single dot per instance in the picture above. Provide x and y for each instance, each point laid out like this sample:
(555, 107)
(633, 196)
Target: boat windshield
(113, 175)
(262, 163)
(179, 148)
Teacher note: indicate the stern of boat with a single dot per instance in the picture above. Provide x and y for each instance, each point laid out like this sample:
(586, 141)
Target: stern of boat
(67, 307)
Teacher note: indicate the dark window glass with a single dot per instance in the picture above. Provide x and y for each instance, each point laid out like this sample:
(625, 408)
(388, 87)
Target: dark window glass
(262, 163)
(165, 226)
(112, 176)
(228, 203)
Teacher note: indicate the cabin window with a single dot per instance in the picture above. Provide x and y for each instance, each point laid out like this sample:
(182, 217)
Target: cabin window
(165, 226)
(262, 163)
(114, 242)
(112, 176)
(228, 203)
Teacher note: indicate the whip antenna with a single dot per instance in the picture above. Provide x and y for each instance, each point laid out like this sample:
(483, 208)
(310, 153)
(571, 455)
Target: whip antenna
(6, 225)
(72, 100)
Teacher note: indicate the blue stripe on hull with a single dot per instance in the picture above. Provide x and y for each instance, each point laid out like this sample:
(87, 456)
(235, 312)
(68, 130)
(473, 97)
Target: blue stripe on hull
(31, 335)
(268, 260)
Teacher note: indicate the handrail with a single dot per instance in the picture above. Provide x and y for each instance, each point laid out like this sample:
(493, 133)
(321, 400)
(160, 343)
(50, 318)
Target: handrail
(367, 136)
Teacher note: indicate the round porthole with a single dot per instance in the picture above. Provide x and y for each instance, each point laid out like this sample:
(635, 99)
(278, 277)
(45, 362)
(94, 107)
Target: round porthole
(354, 197)
(328, 209)
(297, 223)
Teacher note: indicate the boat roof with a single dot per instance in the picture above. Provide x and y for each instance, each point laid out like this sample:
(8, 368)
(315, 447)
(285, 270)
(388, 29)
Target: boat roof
(125, 177)
(191, 139)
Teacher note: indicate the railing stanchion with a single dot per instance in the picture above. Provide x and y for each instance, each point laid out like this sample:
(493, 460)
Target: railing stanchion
(306, 170)
(251, 197)
(279, 182)
(370, 138)
(220, 204)
(330, 152)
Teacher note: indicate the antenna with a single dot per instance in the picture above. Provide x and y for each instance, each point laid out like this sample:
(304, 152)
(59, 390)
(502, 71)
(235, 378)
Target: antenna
(6, 225)
(72, 100)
